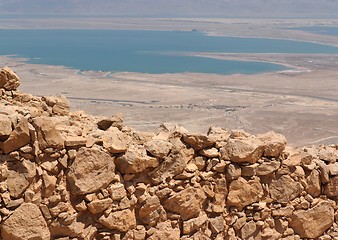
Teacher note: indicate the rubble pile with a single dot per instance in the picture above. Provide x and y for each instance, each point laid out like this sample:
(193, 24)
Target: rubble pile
(70, 175)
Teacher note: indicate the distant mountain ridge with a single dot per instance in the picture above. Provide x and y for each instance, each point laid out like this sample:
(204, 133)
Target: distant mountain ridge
(176, 8)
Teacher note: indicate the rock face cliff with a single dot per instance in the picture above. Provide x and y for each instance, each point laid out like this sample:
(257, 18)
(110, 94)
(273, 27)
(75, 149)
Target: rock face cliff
(70, 175)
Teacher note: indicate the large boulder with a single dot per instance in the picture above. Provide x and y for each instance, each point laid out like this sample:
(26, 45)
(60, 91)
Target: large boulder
(243, 192)
(274, 143)
(5, 126)
(243, 150)
(135, 160)
(26, 222)
(48, 135)
(173, 164)
(285, 189)
(18, 138)
(120, 220)
(313, 222)
(188, 203)
(91, 171)
(8, 79)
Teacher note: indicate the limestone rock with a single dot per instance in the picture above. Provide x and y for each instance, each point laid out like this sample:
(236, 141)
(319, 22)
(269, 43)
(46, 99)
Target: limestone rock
(267, 168)
(61, 106)
(331, 189)
(172, 165)
(114, 141)
(165, 230)
(8, 79)
(314, 222)
(119, 220)
(151, 211)
(98, 206)
(285, 189)
(242, 150)
(26, 222)
(314, 183)
(20, 176)
(18, 138)
(243, 192)
(5, 126)
(48, 135)
(192, 225)
(135, 160)
(158, 148)
(114, 121)
(187, 203)
(75, 141)
(197, 141)
(274, 144)
(91, 170)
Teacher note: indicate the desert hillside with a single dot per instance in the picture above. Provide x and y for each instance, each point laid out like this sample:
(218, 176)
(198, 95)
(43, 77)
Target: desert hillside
(71, 175)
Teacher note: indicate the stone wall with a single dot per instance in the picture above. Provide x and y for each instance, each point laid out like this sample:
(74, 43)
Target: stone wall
(69, 175)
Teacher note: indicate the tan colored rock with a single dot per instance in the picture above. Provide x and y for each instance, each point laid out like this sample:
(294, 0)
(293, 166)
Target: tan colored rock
(314, 222)
(298, 159)
(217, 224)
(75, 141)
(274, 143)
(267, 168)
(18, 138)
(26, 222)
(197, 141)
(243, 192)
(314, 184)
(49, 184)
(98, 206)
(5, 126)
(284, 189)
(165, 230)
(333, 168)
(331, 189)
(172, 165)
(151, 211)
(192, 225)
(250, 231)
(114, 141)
(135, 160)
(20, 177)
(243, 150)
(114, 121)
(48, 135)
(91, 170)
(188, 203)
(218, 134)
(119, 220)
(209, 152)
(61, 106)
(117, 191)
(158, 148)
(75, 229)
(233, 171)
(8, 79)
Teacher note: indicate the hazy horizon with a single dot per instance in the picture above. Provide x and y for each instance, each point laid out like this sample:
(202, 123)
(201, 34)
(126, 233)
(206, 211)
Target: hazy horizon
(174, 8)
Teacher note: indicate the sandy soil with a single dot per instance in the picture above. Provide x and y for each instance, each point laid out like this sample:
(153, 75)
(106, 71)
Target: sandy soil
(301, 103)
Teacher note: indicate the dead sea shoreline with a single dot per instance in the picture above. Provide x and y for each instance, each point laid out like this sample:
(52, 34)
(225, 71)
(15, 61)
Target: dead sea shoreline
(300, 103)
(197, 101)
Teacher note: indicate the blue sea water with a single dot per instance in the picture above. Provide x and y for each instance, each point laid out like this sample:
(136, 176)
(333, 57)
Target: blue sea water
(323, 30)
(145, 51)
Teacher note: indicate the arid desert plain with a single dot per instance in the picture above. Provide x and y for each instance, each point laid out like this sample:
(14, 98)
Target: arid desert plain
(301, 103)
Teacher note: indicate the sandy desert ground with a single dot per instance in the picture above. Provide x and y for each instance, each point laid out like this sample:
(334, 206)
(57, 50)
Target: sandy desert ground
(301, 103)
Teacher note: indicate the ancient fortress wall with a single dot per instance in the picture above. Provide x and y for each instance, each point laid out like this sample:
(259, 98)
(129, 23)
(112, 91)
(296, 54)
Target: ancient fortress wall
(70, 175)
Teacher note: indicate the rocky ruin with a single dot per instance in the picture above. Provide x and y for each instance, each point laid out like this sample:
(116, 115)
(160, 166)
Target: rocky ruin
(70, 175)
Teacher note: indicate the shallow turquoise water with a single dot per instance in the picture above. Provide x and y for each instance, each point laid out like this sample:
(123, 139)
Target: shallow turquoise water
(323, 30)
(145, 51)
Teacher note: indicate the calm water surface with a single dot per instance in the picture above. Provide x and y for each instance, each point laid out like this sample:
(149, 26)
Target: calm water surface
(145, 51)
(320, 30)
